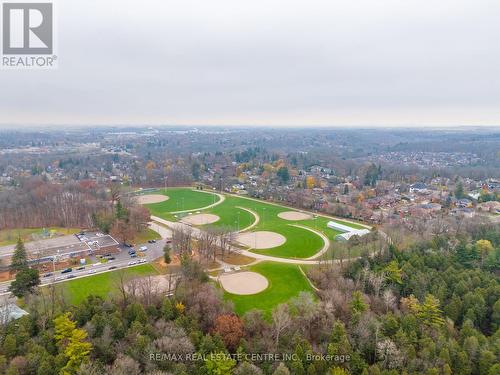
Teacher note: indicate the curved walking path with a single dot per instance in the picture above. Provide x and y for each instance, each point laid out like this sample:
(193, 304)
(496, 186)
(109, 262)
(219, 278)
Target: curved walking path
(325, 239)
(255, 215)
(222, 198)
(163, 231)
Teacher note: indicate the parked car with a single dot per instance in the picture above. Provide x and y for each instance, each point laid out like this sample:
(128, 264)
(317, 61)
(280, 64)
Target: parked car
(142, 260)
(152, 241)
(133, 255)
(131, 263)
(143, 248)
(111, 258)
(58, 278)
(112, 268)
(131, 251)
(70, 276)
(91, 271)
(48, 274)
(80, 268)
(67, 270)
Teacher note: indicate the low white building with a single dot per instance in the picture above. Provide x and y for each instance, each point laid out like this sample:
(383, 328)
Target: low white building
(348, 231)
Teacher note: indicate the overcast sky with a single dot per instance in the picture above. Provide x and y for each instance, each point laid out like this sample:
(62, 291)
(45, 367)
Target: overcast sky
(265, 62)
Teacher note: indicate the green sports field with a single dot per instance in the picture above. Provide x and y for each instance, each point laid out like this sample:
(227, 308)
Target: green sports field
(285, 281)
(103, 284)
(181, 199)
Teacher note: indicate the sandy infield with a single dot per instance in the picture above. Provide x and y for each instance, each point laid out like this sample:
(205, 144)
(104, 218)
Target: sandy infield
(244, 283)
(294, 215)
(151, 198)
(200, 219)
(261, 239)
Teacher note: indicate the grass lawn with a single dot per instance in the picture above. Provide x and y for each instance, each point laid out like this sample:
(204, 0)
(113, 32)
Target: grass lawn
(285, 281)
(146, 235)
(300, 242)
(9, 236)
(102, 284)
(182, 199)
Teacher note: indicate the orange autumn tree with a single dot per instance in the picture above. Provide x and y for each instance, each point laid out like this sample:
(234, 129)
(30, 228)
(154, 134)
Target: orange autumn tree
(230, 329)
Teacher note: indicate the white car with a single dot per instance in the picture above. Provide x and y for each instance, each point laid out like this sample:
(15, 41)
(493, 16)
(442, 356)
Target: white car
(142, 260)
(59, 278)
(91, 271)
(132, 263)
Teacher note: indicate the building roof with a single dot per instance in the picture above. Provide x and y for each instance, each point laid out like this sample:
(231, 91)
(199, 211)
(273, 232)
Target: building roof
(9, 312)
(346, 236)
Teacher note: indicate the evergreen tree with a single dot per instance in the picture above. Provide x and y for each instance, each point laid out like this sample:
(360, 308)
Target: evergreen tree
(19, 258)
(26, 281)
(166, 254)
(459, 191)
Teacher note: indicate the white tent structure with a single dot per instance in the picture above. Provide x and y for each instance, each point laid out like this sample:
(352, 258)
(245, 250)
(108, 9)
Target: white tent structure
(348, 231)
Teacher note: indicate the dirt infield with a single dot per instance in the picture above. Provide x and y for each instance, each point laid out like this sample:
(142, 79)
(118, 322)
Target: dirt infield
(151, 198)
(294, 215)
(200, 219)
(244, 283)
(261, 239)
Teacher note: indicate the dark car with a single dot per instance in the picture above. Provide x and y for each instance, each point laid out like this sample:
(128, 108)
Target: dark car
(131, 251)
(112, 268)
(152, 241)
(71, 276)
(67, 270)
(133, 255)
(80, 268)
(129, 245)
(48, 274)
(110, 258)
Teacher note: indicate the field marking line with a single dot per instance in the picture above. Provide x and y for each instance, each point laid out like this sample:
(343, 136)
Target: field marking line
(222, 198)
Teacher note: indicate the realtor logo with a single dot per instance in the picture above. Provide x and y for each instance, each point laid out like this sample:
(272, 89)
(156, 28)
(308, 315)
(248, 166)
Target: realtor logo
(27, 29)
(28, 35)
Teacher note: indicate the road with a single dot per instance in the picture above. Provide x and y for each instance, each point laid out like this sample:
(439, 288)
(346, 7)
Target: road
(122, 259)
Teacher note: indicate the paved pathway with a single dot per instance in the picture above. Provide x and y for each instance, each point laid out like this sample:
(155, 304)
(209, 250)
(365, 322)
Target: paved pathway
(257, 219)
